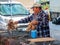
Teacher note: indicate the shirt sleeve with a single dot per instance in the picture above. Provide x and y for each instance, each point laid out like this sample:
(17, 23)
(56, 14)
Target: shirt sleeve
(43, 19)
(25, 20)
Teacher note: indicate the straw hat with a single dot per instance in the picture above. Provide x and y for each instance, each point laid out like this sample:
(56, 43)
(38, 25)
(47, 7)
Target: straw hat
(36, 5)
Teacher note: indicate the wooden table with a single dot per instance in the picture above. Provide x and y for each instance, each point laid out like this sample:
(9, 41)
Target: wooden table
(2, 31)
(47, 39)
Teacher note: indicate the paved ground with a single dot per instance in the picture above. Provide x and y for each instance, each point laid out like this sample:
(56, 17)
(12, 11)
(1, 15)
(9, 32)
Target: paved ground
(22, 38)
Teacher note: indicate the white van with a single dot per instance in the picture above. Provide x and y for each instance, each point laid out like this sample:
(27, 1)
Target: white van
(16, 9)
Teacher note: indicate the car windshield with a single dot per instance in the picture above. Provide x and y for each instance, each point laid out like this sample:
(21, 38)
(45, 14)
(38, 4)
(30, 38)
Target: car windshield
(14, 9)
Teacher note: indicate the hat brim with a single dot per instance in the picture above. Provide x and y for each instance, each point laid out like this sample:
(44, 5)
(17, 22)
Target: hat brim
(35, 6)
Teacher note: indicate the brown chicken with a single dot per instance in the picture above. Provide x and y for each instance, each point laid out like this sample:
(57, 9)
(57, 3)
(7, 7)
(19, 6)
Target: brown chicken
(32, 25)
(11, 25)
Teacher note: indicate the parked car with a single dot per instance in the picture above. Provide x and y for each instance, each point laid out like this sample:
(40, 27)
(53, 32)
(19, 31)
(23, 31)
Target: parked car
(56, 21)
(2, 23)
(14, 10)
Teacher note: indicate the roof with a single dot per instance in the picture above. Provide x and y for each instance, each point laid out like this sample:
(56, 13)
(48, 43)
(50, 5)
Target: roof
(13, 2)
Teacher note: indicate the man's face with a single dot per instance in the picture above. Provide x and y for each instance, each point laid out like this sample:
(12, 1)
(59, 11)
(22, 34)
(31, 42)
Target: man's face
(36, 9)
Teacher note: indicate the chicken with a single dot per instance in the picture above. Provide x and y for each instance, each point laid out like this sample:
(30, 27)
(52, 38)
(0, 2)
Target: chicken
(11, 25)
(32, 25)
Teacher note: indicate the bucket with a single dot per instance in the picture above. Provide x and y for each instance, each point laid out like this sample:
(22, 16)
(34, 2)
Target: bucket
(33, 33)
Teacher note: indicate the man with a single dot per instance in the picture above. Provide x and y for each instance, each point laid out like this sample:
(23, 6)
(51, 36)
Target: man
(41, 17)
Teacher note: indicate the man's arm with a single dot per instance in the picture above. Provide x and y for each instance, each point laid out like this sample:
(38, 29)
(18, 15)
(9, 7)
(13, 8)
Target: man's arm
(25, 20)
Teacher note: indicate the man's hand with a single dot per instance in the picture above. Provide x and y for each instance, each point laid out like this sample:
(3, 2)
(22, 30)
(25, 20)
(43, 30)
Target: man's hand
(34, 22)
(32, 25)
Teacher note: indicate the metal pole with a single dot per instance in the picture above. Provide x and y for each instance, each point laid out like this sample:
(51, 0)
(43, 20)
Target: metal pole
(11, 7)
(10, 32)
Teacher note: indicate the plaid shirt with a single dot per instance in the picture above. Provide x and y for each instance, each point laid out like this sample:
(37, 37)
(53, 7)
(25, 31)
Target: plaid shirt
(43, 25)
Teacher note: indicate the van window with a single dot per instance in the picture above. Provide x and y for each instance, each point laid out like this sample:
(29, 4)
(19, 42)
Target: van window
(17, 9)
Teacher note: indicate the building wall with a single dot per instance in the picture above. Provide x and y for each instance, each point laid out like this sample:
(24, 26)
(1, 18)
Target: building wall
(27, 3)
